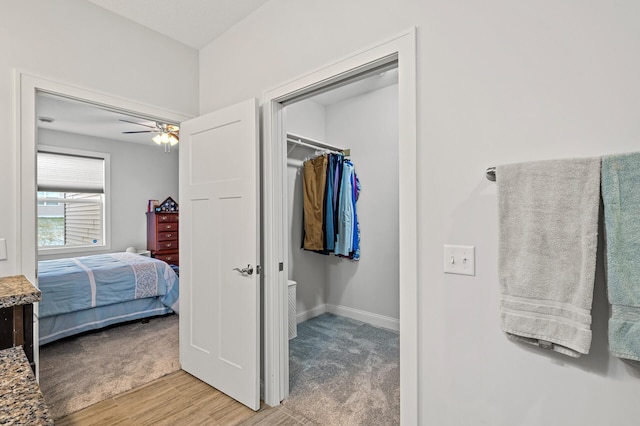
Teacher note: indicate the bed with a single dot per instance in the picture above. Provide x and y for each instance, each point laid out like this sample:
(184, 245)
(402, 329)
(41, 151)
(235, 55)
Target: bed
(87, 293)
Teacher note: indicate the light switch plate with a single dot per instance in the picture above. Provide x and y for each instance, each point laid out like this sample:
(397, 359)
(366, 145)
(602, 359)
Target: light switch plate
(3, 249)
(459, 260)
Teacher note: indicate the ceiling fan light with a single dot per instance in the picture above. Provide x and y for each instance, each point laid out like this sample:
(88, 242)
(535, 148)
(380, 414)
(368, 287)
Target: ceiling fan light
(157, 139)
(173, 140)
(164, 138)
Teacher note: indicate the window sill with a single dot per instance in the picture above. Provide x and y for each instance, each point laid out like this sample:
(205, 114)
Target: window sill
(75, 250)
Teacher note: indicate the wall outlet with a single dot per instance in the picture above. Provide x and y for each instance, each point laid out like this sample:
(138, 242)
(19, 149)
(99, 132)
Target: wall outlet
(459, 260)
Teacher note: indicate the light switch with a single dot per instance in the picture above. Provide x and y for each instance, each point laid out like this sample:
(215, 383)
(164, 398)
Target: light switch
(459, 260)
(3, 249)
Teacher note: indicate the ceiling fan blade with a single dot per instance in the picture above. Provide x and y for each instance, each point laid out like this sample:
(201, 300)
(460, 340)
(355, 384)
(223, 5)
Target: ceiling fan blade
(139, 124)
(143, 131)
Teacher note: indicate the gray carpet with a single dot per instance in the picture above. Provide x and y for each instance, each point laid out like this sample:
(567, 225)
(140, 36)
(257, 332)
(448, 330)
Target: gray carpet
(344, 372)
(80, 371)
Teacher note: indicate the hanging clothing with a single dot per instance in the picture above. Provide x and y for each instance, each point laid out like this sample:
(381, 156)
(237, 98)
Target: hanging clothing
(355, 253)
(339, 159)
(330, 192)
(329, 207)
(344, 237)
(314, 176)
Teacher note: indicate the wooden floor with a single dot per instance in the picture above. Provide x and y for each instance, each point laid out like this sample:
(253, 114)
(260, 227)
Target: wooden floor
(179, 399)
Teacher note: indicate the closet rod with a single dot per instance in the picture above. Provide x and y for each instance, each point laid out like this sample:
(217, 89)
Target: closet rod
(308, 145)
(314, 144)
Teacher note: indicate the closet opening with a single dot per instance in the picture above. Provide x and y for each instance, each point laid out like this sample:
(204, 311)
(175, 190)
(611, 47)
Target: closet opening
(343, 296)
(401, 50)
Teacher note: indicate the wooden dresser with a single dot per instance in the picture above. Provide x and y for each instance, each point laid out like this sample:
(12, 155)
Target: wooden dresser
(162, 236)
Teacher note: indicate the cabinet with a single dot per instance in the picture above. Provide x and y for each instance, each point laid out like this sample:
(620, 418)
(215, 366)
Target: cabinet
(162, 236)
(16, 329)
(17, 296)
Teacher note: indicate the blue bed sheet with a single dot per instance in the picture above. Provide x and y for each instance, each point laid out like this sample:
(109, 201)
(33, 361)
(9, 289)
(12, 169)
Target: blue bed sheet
(79, 283)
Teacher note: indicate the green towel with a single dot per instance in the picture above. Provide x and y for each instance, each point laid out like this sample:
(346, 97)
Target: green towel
(621, 197)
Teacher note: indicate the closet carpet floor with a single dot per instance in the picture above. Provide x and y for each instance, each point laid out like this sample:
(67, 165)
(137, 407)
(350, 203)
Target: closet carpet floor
(344, 372)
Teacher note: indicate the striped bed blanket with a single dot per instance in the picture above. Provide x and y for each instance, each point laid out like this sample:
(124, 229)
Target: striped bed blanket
(74, 284)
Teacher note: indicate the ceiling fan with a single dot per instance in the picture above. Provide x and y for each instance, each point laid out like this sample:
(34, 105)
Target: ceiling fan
(167, 134)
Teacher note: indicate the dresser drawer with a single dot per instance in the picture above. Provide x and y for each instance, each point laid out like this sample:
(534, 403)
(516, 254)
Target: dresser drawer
(164, 236)
(162, 218)
(170, 258)
(167, 245)
(168, 226)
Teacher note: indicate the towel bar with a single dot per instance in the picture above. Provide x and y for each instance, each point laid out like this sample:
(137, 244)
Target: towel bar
(491, 174)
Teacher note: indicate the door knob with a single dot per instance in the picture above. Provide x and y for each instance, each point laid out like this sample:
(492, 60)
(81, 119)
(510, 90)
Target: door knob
(245, 271)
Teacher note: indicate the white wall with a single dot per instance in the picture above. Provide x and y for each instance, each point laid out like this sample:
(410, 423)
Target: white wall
(78, 43)
(498, 82)
(138, 173)
(306, 118)
(368, 125)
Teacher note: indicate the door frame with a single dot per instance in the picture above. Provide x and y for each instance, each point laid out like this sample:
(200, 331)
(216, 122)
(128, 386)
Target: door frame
(402, 48)
(27, 86)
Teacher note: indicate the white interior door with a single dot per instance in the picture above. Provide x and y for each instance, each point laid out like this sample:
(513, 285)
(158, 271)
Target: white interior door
(219, 251)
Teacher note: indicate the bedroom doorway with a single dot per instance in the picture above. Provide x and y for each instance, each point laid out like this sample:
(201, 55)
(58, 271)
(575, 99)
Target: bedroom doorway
(29, 89)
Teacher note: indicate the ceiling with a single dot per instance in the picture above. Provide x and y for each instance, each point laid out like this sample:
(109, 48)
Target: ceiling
(357, 88)
(192, 22)
(86, 119)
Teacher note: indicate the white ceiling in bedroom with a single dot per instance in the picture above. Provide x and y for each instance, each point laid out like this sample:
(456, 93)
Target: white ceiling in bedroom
(86, 119)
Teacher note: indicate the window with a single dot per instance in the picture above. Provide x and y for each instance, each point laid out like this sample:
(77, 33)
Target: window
(72, 200)
(48, 195)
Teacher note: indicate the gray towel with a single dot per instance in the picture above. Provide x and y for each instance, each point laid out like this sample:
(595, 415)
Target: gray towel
(621, 197)
(548, 225)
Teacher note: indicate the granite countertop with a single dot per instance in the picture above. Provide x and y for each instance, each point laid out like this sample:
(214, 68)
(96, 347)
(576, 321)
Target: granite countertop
(21, 402)
(17, 290)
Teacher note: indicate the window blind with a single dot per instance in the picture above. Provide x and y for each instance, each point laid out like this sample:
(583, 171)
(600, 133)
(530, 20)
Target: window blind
(70, 173)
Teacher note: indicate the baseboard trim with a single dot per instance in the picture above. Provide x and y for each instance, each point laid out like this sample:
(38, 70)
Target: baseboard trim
(356, 314)
(368, 317)
(311, 313)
